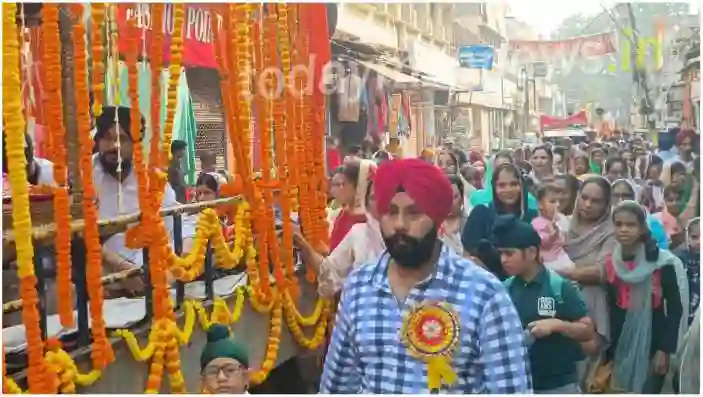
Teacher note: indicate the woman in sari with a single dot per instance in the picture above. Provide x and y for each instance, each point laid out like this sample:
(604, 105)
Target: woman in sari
(590, 236)
(510, 197)
(351, 181)
(647, 296)
(675, 174)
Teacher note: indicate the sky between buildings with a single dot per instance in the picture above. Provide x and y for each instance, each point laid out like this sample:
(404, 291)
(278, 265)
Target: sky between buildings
(546, 15)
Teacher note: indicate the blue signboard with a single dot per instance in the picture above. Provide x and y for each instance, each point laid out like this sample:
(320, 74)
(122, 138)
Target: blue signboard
(476, 57)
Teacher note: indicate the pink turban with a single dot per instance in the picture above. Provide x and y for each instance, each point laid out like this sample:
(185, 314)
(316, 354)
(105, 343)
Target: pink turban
(425, 183)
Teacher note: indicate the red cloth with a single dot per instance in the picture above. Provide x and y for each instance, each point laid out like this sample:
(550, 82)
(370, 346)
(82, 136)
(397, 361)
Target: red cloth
(334, 159)
(623, 289)
(685, 133)
(425, 183)
(342, 226)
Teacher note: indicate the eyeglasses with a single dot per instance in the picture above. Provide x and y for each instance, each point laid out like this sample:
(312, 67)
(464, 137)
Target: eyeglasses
(229, 371)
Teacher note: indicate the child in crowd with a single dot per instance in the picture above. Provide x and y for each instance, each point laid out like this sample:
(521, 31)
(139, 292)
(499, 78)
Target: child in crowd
(224, 363)
(546, 224)
(690, 257)
(669, 216)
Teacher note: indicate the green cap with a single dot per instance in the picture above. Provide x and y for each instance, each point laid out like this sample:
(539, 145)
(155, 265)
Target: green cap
(219, 344)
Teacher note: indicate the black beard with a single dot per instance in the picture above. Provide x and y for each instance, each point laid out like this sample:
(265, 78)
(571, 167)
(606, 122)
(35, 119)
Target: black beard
(412, 253)
(111, 168)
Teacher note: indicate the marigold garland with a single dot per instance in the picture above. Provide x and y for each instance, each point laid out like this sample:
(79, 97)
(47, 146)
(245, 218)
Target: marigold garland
(66, 369)
(174, 77)
(241, 26)
(156, 57)
(294, 122)
(274, 341)
(274, 122)
(293, 318)
(53, 108)
(38, 372)
(285, 139)
(101, 352)
(97, 20)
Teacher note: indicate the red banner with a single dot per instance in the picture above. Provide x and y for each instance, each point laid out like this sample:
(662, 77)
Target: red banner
(573, 48)
(555, 123)
(198, 38)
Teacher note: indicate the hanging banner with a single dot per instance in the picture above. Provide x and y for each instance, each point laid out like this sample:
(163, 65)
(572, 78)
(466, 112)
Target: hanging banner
(573, 48)
(198, 37)
(476, 57)
(554, 123)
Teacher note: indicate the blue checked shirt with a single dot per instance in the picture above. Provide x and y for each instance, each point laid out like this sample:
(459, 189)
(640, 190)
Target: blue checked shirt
(366, 354)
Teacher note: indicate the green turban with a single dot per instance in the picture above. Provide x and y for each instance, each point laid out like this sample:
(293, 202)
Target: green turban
(220, 345)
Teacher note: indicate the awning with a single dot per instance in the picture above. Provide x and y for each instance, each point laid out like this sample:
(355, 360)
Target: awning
(395, 75)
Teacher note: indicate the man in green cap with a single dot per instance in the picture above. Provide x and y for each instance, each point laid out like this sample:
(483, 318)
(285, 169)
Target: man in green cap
(552, 312)
(224, 363)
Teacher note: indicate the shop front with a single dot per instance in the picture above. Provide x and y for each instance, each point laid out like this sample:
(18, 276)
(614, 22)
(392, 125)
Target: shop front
(437, 92)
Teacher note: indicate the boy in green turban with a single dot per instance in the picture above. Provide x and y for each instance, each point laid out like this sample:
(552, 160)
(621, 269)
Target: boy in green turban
(224, 363)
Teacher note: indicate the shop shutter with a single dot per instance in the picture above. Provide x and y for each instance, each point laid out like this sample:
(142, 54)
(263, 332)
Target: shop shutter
(209, 115)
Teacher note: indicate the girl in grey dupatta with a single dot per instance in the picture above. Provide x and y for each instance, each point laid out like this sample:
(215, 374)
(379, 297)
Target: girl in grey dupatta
(649, 313)
(589, 237)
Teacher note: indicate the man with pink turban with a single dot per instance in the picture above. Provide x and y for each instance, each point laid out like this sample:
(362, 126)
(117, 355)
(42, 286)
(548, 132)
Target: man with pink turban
(422, 319)
(686, 140)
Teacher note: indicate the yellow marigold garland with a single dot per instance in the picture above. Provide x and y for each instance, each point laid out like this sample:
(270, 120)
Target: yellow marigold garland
(66, 369)
(53, 107)
(101, 353)
(39, 378)
(293, 318)
(274, 341)
(174, 77)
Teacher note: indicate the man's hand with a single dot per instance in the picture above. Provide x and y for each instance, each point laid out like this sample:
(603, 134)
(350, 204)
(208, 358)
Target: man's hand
(543, 328)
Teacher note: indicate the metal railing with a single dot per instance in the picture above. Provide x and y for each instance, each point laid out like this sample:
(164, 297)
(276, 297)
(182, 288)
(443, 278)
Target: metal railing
(43, 234)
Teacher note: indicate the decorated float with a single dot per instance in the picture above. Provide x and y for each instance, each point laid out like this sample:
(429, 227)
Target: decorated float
(152, 343)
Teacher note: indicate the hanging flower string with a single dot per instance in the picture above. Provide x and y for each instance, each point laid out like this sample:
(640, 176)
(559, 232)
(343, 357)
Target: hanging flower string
(53, 108)
(97, 21)
(39, 378)
(247, 39)
(156, 58)
(101, 352)
(174, 77)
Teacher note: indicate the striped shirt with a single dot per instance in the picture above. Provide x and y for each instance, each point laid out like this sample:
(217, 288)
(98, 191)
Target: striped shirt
(366, 354)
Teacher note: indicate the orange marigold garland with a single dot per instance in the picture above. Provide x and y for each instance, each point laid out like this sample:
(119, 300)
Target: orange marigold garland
(101, 353)
(285, 139)
(156, 58)
(241, 20)
(53, 108)
(274, 121)
(97, 20)
(40, 380)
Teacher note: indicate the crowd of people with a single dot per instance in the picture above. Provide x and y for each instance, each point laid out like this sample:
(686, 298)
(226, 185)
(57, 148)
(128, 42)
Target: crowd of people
(555, 269)
(552, 269)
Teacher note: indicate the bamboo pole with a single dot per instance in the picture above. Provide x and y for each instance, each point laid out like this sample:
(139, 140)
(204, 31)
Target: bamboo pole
(120, 223)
